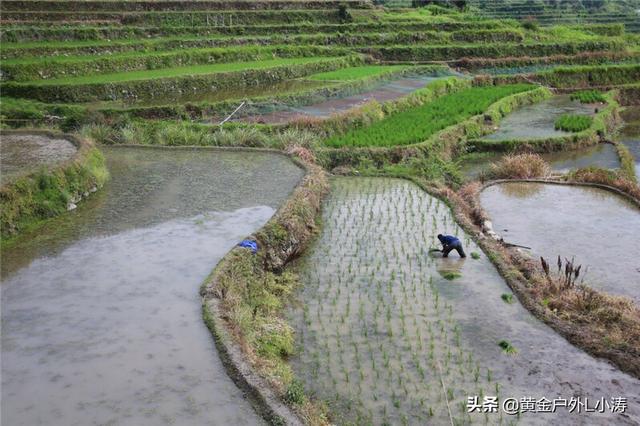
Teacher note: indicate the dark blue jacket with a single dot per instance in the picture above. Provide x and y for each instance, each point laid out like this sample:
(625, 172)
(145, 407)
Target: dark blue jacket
(449, 240)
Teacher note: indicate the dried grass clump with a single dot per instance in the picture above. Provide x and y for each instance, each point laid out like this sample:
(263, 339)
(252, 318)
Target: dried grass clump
(615, 319)
(520, 166)
(606, 177)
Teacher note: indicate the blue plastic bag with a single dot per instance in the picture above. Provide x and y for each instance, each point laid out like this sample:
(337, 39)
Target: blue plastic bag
(250, 244)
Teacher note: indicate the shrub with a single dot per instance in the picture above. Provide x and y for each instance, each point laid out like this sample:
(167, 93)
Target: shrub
(573, 122)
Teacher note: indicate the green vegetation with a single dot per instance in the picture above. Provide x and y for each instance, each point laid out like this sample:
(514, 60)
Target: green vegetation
(507, 347)
(450, 275)
(417, 124)
(475, 255)
(176, 72)
(573, 122)
(588, 96)
(46, 193)
(507, 297)
(355, 73)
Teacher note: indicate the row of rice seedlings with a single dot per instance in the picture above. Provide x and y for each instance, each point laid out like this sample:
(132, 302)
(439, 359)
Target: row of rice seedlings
(573, 122)
(376, 339)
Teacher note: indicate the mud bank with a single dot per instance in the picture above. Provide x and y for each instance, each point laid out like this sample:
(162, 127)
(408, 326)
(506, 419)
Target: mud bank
(47, 174)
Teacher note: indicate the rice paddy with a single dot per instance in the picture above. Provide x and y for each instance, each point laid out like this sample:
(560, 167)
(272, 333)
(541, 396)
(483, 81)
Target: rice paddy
(176, 72)
(357, 72)
(384, 338)
(376, 337)
(387, 331)
(416, 124)
(573, 123)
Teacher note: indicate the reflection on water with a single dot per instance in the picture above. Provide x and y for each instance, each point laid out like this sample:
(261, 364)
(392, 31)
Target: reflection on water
(101, 320)
(599, 228)
(20, 154)
(538, 120)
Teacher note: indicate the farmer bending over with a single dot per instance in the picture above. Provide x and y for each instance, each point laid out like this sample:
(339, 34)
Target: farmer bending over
(449, 242)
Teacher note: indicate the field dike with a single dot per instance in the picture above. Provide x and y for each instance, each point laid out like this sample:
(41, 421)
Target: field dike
(243, 298)
(49, 191)
(604, 122)
(602, 325)
(267, 103)
(183, 84)
(576, 77)
(448, 142)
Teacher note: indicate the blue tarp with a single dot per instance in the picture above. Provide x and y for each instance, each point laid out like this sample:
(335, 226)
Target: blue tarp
(250, 244)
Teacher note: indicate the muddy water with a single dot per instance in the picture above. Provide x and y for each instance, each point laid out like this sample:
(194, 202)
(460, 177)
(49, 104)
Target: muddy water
(599, 228)
(385, 337)
(21, 154)
(630, 135)
(385, 91)
(101, 319)
(601, 155)
(537, 121)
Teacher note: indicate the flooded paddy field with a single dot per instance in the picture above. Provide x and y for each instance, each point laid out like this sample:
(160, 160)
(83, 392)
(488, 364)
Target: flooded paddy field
(602, 155)
(596, 226)
(21, 154)
(384, 91)
(101, 317)
(537, 121)
(630, 134)
(390, 334)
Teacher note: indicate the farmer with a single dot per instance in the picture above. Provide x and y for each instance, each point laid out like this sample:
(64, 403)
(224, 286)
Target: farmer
(449, 242)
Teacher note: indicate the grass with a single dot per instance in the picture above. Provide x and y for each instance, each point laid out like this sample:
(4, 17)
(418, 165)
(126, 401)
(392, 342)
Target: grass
(588, 96)
(475, 255)
(573, 122)
(417, 124)
(177, 71)
(356, 73)
(519, 166)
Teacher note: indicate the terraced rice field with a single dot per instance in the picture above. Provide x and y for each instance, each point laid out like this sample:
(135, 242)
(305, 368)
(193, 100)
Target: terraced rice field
(341, 313)
(417, 124)
(391, 334)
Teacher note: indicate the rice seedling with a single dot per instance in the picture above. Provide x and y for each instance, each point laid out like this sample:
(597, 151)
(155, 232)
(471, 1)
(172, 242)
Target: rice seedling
(475, 255)
(450, 275)
(573, 122)
(507, 348)
(507, 297)
(417, 124)
(588, 96)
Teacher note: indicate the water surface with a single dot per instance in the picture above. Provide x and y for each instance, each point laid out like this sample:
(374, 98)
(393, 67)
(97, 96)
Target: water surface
(598, 227)
(537, 121)
(630, 134)
(101, 317)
